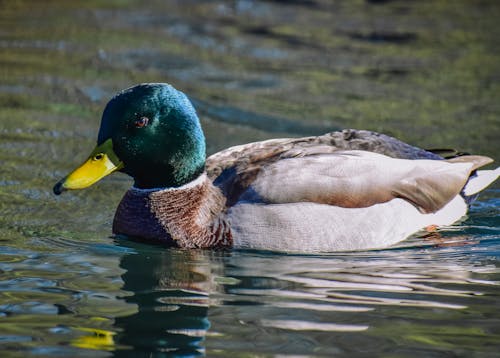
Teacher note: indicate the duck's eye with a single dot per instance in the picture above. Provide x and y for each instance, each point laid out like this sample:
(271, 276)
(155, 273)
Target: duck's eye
(141, 122)
(98, 156)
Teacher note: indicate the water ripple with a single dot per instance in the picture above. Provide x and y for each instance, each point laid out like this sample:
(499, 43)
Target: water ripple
(312, 326)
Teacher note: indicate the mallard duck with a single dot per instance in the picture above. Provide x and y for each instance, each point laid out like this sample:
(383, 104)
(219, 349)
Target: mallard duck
(348, 190)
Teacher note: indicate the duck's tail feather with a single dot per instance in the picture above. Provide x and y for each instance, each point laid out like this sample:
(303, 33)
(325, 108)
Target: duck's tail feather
(480, 181)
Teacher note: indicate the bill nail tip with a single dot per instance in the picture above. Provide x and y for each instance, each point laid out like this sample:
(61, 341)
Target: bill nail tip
(58, 189)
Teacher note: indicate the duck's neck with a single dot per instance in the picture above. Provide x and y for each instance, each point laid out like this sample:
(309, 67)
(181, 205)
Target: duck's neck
(189, 215)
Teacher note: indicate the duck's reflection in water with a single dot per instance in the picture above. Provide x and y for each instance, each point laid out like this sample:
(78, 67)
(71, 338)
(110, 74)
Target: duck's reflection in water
(253, 293)
(171, 290)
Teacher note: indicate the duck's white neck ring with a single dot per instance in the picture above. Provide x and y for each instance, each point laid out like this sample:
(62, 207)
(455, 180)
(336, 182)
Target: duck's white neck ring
(189, 185)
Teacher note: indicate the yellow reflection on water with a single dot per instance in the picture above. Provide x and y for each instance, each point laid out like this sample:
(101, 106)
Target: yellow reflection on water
(97, 339)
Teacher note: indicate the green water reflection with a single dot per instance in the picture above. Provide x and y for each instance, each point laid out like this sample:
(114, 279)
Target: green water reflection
(427, 72)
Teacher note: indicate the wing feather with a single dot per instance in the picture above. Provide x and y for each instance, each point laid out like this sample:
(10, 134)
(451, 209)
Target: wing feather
(326, 170)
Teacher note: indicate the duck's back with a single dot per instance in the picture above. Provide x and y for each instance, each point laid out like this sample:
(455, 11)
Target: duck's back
(348, 139)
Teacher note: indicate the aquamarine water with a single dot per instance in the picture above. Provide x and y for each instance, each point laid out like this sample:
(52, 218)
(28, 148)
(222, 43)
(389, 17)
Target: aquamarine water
(424, 71)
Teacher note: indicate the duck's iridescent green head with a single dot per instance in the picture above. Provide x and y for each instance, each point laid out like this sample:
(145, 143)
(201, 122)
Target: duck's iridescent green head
(152, 133)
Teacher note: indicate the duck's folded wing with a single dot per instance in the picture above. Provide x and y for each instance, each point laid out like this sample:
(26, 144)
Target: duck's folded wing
(258, 153)
(355, 179)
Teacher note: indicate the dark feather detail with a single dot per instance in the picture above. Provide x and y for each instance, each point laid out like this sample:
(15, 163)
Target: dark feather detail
(133, 218)
(447, 153)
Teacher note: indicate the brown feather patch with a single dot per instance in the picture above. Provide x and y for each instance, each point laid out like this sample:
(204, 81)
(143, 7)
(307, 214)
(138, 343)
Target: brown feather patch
(190, 217)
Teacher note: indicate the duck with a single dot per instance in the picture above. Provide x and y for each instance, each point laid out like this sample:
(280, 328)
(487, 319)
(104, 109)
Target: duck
(342, 191)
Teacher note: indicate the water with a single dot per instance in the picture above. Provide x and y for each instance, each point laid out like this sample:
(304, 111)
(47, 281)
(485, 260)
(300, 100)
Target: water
(425, 72)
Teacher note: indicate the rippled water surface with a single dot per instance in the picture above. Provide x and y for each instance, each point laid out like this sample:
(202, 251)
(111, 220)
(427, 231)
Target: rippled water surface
(427, 72)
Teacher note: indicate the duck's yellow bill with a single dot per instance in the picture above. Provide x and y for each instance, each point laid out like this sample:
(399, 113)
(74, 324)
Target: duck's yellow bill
(101, 162)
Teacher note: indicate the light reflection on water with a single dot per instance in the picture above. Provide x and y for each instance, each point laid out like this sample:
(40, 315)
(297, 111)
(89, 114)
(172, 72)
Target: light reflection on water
(424, 71)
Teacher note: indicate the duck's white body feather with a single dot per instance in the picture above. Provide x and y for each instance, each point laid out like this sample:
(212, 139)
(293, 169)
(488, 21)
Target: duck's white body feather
(381, 201)
(309, 227)
(482, 179)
